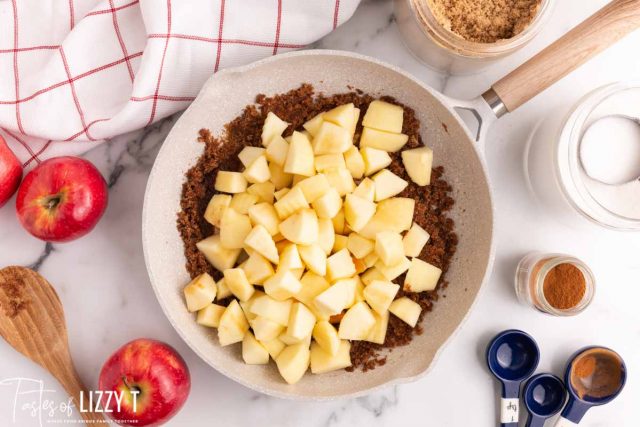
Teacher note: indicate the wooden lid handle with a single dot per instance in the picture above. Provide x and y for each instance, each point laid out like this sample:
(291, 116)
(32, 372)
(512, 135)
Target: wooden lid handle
(601, 30)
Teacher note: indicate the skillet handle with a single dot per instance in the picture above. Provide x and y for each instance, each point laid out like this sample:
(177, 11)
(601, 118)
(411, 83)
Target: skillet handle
(601, 30)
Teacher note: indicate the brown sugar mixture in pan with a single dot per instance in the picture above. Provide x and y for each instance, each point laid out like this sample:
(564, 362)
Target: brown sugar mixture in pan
(433, 202)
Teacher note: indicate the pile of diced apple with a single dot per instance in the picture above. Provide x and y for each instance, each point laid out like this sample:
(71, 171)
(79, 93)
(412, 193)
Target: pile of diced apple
(323, 249)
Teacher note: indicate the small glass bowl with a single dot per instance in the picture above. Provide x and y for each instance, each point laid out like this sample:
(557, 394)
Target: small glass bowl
(529, 282)
(445, 51)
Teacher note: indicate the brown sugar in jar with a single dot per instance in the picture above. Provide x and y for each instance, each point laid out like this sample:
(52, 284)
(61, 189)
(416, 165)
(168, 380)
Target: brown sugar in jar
(555, 284)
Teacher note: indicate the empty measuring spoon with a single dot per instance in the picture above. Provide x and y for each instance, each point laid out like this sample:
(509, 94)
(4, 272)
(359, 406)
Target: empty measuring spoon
(544, 396)
(594, 376)
(512, 356)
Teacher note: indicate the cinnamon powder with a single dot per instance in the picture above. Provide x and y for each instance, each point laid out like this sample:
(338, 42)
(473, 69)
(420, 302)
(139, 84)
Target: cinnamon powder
(433, 202)
(485, 21)
(597, 373)
(564, 286)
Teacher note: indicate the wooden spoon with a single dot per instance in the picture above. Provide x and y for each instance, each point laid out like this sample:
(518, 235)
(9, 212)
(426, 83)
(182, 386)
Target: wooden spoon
(32, 322)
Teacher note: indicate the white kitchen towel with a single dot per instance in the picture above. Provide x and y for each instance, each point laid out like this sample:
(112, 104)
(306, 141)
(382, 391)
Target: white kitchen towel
(75, 72)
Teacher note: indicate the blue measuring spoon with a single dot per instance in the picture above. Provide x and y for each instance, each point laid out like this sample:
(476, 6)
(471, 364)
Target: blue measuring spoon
(544, 396)
(512, 356)
(585, 378)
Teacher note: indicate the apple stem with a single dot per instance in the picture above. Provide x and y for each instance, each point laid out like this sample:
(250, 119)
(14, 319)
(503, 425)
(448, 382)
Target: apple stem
(52, 202)
(130, 387)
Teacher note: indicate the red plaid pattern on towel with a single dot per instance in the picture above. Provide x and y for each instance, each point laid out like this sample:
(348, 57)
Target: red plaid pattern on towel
(76, 72)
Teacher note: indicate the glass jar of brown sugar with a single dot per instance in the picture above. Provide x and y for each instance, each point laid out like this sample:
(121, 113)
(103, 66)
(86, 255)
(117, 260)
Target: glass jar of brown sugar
(460, 39)
(556, 284)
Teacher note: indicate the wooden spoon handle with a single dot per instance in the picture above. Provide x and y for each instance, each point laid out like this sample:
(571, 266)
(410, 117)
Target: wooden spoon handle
(69, 379)
(601, 30)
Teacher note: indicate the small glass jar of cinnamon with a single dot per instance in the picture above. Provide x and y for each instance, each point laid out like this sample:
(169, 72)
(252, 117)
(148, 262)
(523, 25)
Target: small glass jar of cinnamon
(556, 284)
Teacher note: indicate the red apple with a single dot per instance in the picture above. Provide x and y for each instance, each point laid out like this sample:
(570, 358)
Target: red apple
(10, 172)
(61, 199)
(154, 370)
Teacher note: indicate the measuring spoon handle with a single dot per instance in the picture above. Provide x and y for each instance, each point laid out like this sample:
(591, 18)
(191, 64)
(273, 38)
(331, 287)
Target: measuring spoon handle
(510, 404)
(572, 413)
(533, 421)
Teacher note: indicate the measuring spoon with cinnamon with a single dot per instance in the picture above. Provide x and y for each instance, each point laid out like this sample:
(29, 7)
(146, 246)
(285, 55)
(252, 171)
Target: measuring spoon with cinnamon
(594, 376)
(32, 322)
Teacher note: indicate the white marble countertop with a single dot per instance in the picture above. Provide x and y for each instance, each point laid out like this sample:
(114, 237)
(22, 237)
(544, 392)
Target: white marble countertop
(103, 283)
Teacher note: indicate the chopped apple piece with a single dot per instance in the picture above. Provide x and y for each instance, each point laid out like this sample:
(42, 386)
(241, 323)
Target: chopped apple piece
(406, 310)
(329, 161)
(395, 214)
(322, 361)
(301, 228)
(200, 292)
(378, 333)
(219, 256)
(289, 340)
(354, 124)
(339, 224)
(421, 276)
(263, 190)
(273, 126)
(418, 163)
(331, 139)
(370, 275)
(234, 228)
(384, 116)
(379, 295)
(260, 241)
(326, 235)
(277, 151)
(328, 205)
(300, 156)
(230, 182)
(335, 298)
(366, 190)
(354, 162)
(257, 268)
(233, 325)
(326, 336)
(313, 126)
(374, 160)
(237, 282)
(360, 265)
(388, 184)
(340, 243)
(386, 141)
(241, 202)
(314, 258)
(282, 285)
(281, 193)
(357, 322)
(253, 353)
(258, 171)
(342, 116)
(265, 329)
(249, 154)
(312, 285)
(389, 247)
(210, 315)
(293, 362)
(358, 211)
(393, 271)
(340, 265)
(371, 259)
(291, 202)
(265, 214)
(269, 308)
(216, 207)
(297, 179)
(274, 347)
(359, 246)
(279, 177)
(301, 321)
(414, 240)
(341, 180)
(223, 290)
(290, 258)
(314, 187)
